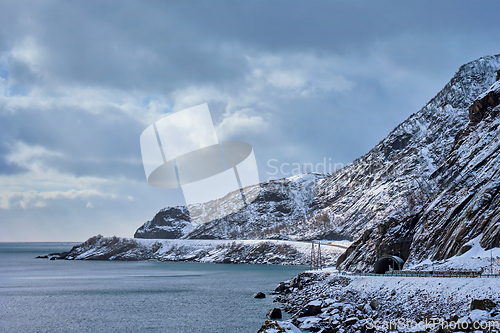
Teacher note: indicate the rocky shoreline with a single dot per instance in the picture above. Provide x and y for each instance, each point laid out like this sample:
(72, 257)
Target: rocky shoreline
(329, 302)
(274, 252)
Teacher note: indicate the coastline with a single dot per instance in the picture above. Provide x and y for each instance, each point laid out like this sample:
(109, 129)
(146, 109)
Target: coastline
(274, 252)
(326, 301)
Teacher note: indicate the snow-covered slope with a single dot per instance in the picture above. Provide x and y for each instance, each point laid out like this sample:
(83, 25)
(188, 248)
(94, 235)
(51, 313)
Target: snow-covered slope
(281, 205)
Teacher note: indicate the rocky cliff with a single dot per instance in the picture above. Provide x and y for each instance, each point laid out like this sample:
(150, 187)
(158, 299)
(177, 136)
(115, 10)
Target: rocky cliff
(435, 182)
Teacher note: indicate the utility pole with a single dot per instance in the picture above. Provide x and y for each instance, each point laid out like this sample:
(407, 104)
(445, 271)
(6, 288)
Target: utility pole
(312, 256)
(491, 260)
(320, 264)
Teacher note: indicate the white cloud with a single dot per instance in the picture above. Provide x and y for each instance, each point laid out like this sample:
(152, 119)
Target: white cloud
(299, 74)
(27, 156)
(242, 121)
(35, 199)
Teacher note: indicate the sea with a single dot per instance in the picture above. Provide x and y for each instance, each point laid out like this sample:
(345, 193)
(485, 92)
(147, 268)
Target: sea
(42, 295)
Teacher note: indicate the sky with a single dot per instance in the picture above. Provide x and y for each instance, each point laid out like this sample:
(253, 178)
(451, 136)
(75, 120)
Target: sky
(301, 81)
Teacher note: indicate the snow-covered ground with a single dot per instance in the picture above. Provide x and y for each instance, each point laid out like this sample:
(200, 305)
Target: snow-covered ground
(475, 259)
(350, 303)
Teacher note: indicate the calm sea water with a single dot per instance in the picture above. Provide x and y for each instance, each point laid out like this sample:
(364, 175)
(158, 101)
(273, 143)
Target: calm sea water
(41, 295)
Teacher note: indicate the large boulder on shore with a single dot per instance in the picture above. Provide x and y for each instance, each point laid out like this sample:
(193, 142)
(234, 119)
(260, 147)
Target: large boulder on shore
(274, 313)
(311, 309)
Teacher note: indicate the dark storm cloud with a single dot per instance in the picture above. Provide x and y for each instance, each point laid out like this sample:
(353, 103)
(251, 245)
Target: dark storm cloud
(100, 145)
(165, 45)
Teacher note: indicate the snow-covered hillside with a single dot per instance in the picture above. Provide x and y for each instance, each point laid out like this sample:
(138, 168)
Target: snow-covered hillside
(214, 251)
(280, 207)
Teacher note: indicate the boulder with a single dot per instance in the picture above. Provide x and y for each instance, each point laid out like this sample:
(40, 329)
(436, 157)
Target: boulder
(259, 295)
(374, 304)
(367, 308)
(274, 313)
(282, 287)
(311, 309)
(482, 304)
(350, 321)
(295, 282)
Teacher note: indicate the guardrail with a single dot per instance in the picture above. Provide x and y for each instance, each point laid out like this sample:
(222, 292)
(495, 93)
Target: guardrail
(430, 274)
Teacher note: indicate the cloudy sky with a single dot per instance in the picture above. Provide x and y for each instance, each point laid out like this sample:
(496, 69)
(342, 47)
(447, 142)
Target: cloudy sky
(301, 81)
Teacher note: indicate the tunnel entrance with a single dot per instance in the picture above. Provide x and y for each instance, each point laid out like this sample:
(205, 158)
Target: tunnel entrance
(388, 263)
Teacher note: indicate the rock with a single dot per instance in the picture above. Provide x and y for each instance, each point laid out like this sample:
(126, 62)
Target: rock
(274, 313)
(259, 295)
(42, 257)
(338, 306)
(350, 321)
(367, 308)
(281, 288)
(53, 258)
(274, 326)
(311, 309)
(482, 304)
(374, 304)
(393, 292)
(295, 282)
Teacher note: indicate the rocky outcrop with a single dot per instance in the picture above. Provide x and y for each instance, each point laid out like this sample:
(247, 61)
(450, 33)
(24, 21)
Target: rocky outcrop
(485, 103)
(259, 295)
(168, 223)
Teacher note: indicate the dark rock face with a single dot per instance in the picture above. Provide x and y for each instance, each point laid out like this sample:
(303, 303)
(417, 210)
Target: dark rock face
(484, 103)
(274, 313)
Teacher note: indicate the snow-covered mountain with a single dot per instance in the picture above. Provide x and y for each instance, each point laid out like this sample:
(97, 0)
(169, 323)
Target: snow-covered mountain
(435, 185)
(280, 205)
(424, 191)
